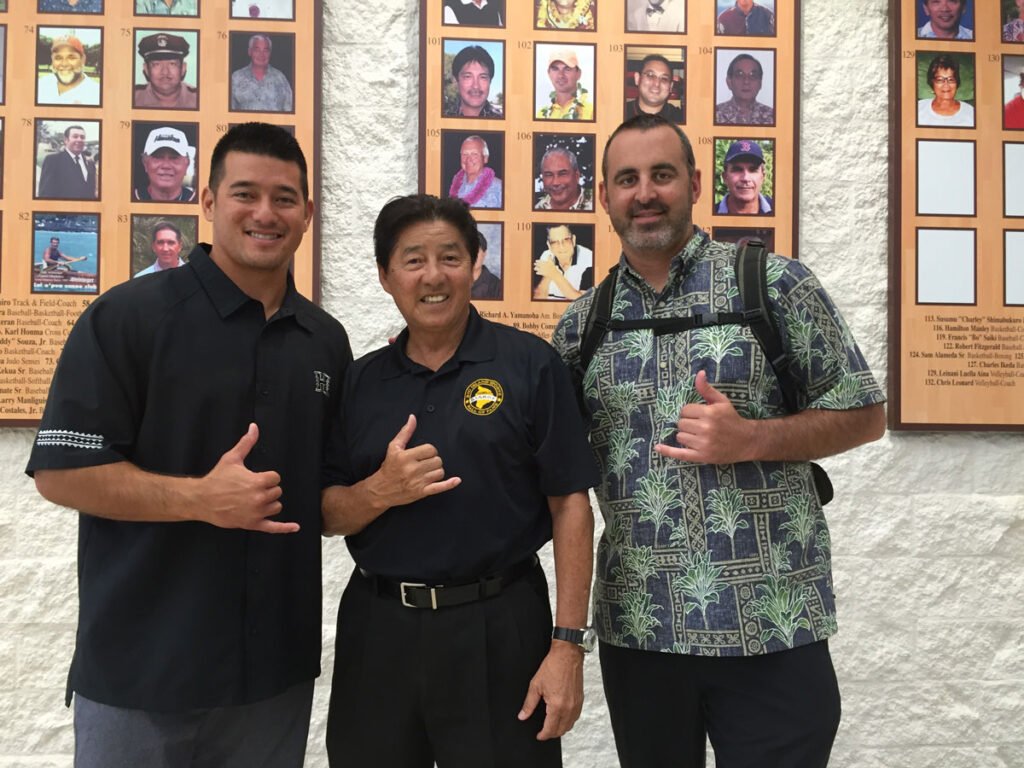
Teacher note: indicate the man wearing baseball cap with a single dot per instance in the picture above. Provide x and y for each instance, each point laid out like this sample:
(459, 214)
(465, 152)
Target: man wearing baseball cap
(743, 174)
(163, 64)
(66, 82)
(166, 158)
(569, 100)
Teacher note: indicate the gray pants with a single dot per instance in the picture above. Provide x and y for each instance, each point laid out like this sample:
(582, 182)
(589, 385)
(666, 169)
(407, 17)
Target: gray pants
(270, 733)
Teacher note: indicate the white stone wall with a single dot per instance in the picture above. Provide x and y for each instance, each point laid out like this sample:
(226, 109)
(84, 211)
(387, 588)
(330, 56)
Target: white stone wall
(928, 529)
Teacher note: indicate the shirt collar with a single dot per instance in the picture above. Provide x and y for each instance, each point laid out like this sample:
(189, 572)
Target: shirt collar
(477, 345)
(228, 298)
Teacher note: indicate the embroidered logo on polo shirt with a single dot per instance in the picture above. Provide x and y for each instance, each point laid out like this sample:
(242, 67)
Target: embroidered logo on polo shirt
(483, 397)
(321, 383)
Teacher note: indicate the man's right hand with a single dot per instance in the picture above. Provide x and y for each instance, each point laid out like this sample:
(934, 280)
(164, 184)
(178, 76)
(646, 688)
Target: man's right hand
(410, 474)
(233, 496)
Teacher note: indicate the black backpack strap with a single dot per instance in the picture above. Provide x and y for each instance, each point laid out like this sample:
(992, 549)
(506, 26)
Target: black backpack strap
(752, 277)
(598, 317)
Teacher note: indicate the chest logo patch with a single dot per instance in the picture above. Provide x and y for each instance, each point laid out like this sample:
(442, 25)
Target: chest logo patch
(483, 397)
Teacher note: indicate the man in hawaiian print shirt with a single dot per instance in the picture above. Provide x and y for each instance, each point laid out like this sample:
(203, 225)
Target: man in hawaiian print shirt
(713, 599)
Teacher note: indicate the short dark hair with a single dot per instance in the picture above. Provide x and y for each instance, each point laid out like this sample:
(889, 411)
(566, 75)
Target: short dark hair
(745, 57)
(165, 225)
(943, 61)
(469, 54)
(258, 139)
(54, 239)
(482, 239)
(655, 57)
(70, 128)
(644, 121)
(399, 213)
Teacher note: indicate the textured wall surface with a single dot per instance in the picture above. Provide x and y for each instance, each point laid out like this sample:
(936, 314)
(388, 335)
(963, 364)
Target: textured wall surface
(927, 529)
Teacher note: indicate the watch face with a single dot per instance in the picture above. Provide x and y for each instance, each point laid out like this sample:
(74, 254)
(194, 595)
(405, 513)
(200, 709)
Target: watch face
(589, 639)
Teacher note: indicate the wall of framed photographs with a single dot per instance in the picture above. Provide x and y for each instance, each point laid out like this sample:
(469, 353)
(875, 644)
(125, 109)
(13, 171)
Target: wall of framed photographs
(957, 271)
(109, 110)
(517, 99)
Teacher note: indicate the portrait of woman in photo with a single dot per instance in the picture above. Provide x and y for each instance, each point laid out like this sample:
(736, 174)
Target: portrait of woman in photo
(1013, 29)
(944, 109)
(567, 14)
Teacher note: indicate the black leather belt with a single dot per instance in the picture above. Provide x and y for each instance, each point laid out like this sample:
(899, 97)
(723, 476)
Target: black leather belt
(419, 595)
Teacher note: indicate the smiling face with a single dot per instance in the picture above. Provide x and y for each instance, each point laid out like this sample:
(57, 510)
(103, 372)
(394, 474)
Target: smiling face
(471, 158)
(259, 53)
(743, 179)
(944, 84)
(258, 213)
(944, 16)
(166, 248)
(166, 171)
(649, 192)
(474, 85)
(67, 64)
(564, 79)
(562, 243)
(430, 276)
(561, 181)
(165, 75)
(654, 84)
(75, 141)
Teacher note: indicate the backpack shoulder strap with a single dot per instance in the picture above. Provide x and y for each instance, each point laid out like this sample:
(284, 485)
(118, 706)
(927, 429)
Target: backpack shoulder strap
(752, 276)
(598, 317)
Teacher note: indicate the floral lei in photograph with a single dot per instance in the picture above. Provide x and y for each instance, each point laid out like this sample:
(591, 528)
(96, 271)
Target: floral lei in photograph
(580, 17)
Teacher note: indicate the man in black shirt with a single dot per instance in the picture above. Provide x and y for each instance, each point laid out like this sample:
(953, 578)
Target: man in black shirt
(460, 451)
(186, 422)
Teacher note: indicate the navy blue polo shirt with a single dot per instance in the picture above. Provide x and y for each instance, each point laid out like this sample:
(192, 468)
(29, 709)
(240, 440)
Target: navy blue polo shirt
(503, 417)
(166, 372)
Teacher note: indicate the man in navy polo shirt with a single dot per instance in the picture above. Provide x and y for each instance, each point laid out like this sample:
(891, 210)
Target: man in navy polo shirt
(460, 451)
(186, 423)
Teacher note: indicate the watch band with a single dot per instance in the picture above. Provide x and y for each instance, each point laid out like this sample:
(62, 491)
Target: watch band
(585, 638)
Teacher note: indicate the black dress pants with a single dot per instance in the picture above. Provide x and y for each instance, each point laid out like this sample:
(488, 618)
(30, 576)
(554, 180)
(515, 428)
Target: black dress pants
(779, 710)
(414, 686)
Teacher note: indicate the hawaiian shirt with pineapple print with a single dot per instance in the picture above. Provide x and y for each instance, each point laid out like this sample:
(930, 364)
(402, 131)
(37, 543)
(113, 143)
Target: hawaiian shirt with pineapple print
(720, 560)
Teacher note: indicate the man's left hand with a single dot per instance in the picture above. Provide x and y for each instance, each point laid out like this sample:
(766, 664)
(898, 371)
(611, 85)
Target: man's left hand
(559, 682)
(711, 432)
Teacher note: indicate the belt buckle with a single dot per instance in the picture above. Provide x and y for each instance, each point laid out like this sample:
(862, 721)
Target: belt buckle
(433, 594)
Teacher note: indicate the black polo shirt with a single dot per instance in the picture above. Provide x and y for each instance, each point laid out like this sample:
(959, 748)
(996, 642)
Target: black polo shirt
(503, 417)
(167, 371)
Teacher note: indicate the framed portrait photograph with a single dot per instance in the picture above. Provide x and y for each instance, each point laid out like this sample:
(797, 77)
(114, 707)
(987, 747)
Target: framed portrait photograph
(573, 15)
(69, 6)
(167, 7)
(490, 285)
(946, 178)
(164, 162)
(166, 69)
(945, 89)
(564, 172)
(473, 166)
(1013, 21)
(744, 177)
(563, 260)
(744, 86)
(474, 79)
(262, 68)
(1013, 179)
(473, 13)
(66, 159)
(746, 18)
(69, 66)
(655, 82)
(1013, 93)
(657, 16)
(65, 253)
(1013, 267)
(564, 81)
(734, 234)
(944, 19)
(263, 9)
(3, 63)
(947, 266)
(160, 242)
